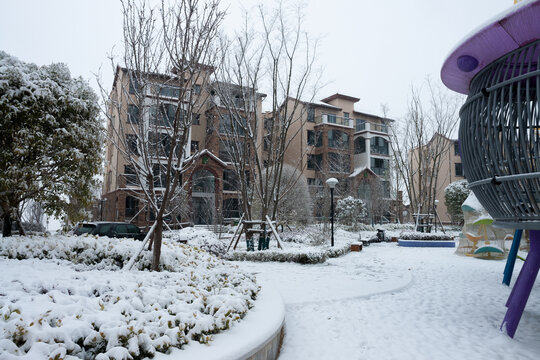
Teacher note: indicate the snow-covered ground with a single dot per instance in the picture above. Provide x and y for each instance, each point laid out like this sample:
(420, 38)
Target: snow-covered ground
(65, 297)
(386, 302)
(389, 302)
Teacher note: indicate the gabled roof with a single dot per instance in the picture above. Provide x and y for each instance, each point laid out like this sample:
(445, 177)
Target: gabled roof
(207, 152)
(340, 96)
(358, 171)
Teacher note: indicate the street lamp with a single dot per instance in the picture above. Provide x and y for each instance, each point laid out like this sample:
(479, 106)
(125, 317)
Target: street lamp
(332, 182)
(435, 216)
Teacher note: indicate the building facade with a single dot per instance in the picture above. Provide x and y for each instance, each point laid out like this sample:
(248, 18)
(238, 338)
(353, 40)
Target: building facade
(446, 153)
(210, 187)
(332, 139)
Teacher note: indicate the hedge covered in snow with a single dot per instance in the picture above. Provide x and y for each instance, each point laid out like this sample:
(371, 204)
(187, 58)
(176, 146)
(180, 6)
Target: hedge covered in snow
(307, 256)
(64, 297)
(414, 235)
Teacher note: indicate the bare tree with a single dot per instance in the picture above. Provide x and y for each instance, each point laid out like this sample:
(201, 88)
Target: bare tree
(280, 55)
(421, 142)
(169, 55)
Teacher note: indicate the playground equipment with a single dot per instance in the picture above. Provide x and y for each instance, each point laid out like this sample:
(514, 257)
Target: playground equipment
(498, 66)
(262, 228)
(479, 238)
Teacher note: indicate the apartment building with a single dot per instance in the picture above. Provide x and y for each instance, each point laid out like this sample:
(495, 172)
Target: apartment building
(447, 152)
(332, 139)
(211, 186)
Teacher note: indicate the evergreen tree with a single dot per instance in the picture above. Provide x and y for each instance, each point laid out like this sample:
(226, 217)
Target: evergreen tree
(51, 137)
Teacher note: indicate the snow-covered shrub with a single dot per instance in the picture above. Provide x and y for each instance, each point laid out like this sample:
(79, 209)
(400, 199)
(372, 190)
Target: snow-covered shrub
(56, 302)
(349, 211)
(310, 255)
(454, 196)
(415, 235)
(201, 238)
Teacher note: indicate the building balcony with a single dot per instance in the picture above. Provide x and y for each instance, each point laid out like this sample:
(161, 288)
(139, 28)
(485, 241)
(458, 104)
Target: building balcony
(334, 119)
(367, 126)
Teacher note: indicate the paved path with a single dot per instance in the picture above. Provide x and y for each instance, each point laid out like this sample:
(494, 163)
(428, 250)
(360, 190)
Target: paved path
(389, 302)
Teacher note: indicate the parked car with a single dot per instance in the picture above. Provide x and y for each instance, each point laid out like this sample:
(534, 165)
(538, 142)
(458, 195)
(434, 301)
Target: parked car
(110, 229)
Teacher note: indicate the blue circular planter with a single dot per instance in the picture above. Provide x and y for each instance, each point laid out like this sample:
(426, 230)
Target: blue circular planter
(427, 243)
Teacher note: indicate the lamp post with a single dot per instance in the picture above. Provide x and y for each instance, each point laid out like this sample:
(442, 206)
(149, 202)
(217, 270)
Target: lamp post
(435, 216)
(332, 182)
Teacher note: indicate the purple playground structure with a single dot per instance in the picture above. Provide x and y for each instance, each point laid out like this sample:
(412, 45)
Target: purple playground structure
(498, 67)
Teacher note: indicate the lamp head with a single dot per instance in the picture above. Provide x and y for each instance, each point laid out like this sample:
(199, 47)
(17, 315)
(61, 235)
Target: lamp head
(332, 182)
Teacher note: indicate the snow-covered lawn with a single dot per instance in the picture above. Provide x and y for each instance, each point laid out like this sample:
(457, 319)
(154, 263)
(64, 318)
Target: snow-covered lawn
(390, 302)
(66, 295)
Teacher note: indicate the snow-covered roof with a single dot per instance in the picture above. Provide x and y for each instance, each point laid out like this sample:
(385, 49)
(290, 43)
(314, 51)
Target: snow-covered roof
(357, 171)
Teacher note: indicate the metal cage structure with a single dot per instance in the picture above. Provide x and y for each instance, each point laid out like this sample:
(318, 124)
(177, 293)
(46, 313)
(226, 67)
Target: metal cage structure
(500, 138)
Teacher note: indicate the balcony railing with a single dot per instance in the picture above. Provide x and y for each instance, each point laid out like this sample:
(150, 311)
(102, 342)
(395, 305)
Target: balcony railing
(334, 119)
(367, 126)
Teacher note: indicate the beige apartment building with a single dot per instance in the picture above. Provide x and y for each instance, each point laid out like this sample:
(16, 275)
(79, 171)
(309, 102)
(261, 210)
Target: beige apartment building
(450, 170)
(332, 139)
(211, 185)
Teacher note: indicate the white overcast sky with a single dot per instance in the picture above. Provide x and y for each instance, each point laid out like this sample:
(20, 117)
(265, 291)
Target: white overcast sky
(374, 50)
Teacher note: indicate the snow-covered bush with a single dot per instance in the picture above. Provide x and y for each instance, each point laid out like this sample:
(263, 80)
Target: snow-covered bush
(201, 238)
(55, 302)
(349, 211)
(308, 256)
(454, 196)
(415, 235)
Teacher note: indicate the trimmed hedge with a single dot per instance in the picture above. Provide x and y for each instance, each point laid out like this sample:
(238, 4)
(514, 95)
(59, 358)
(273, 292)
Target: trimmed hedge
(308, 257)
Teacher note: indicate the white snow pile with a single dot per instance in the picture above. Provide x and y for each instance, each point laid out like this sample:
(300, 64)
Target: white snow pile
(64, 298)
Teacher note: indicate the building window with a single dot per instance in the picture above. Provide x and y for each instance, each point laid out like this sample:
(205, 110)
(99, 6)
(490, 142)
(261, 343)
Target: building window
(314, 162)
(194, 146)
(196, 119)
(164, 114)
(379, 146)
(133, 114)
(311, 114)
(314, 182)
(379, 166)
(456, 148)
(133, 85)
(132, 206)
(338, 139)
(159, 173)
(229, 127)
(364, 191)
(459, 169)
(197, 89)
(131, 142)
(339, 162)
(231, 182)
(231, 208)
(360, 125)
(332, 118)
(130, 175)
(203, 182)
(169, 91)
(359, 145)
(314, 138)
(346, 118)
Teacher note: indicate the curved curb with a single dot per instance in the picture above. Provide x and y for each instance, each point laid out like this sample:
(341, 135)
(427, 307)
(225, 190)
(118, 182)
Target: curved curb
(427, 243)
(257, 336)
